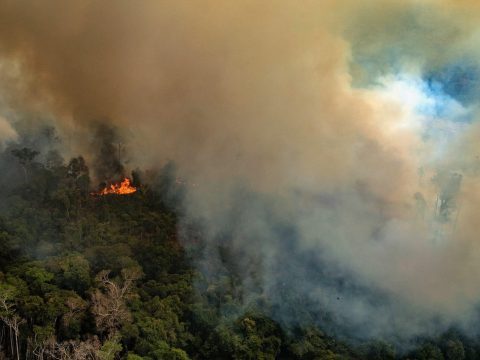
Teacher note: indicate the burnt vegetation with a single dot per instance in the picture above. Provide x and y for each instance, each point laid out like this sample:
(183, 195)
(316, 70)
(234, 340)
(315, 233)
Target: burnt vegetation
(88, 277)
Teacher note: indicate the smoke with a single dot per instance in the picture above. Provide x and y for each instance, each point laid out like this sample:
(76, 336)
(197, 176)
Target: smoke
(7, 133)
(107, 150)
(327, 144)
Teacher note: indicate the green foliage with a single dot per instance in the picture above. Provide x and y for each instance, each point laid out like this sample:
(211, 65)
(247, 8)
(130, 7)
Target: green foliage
(454, 350)
(252, 336)
(43, 333)
(132, 356)
(311, 343)
(109, 350)
(163, 351)
(380, 350)
(429, 351)
(71, 272)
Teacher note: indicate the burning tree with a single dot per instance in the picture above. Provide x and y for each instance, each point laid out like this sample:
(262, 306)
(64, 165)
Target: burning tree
(123, 188)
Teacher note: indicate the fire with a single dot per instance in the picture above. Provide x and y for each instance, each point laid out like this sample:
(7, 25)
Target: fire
(122, 188)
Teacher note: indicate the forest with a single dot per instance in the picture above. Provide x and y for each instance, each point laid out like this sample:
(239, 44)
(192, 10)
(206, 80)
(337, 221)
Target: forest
(257, 179)
(85, 275)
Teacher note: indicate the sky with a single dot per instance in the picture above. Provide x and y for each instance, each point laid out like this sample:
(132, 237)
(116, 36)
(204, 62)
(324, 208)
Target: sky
(336, 137)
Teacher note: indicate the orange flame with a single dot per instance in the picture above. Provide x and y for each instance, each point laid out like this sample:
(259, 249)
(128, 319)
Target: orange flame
(122, 188)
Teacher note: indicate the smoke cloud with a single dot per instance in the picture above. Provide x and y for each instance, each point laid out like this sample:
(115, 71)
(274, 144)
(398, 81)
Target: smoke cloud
(7, 133)
(334, 142)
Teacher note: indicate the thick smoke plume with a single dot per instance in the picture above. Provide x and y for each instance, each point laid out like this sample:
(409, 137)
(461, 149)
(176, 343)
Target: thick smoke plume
(332, 142)
(108, 150)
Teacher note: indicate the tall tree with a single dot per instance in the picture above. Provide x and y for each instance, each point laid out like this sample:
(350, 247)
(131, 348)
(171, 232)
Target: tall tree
(25, 157)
